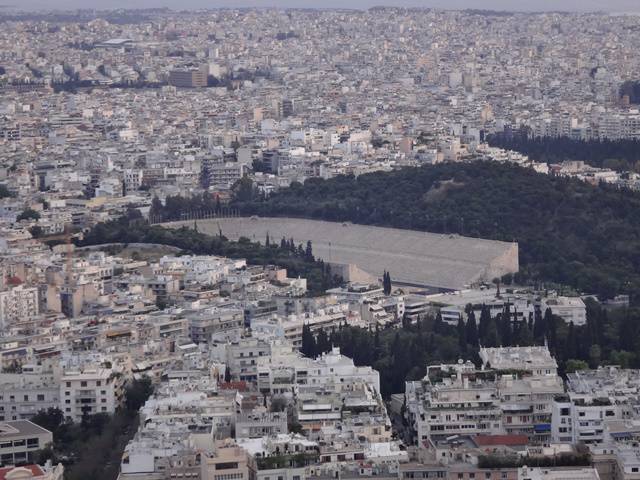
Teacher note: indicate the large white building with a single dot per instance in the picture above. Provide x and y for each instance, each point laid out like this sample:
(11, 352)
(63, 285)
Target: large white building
(535, 360)
(456, 404)
(90, 391)
(22, 395)
(513, 394)
(595, 398)
(287, 368)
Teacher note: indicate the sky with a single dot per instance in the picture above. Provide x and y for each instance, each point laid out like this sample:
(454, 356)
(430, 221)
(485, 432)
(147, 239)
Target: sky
(512, 5)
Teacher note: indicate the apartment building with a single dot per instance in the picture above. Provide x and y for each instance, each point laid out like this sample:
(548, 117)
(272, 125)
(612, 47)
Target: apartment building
(188, 78)
(227, 461)
(595, 399)
(89, 391)
(453, 406)
(531, 361)
(243, 356)
(18, 303)
(286, 369)
(581, 418)
(207, 322)
(526, 405)
(24, 395)
(257, 424)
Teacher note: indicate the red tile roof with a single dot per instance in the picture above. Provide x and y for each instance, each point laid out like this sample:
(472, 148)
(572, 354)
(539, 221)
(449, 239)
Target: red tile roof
(237, 385)
(14, 281)
(35, 470)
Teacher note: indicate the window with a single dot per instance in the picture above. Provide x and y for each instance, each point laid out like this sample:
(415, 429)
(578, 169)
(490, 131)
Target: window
(564, 411)
(32, 442)
(41, 398)
(83, 384)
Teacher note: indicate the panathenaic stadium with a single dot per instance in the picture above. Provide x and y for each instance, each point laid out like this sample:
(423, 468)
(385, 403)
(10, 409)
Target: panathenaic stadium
(420, 259)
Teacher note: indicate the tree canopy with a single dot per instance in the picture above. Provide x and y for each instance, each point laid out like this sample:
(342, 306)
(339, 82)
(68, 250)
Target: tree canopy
(28, 214)
(618, 155)
(568, 232)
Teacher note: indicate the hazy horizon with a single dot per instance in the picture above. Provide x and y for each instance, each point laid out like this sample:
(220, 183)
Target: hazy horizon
(508, 5)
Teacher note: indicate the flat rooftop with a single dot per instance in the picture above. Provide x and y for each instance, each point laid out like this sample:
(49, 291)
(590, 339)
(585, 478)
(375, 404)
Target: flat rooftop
(19, 428)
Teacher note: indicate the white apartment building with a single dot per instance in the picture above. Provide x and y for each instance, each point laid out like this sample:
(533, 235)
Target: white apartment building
(527, 405)
(259, 424)
(286, 368)
(23, 395)
(90, 391)
(242, 357)
(18, 303)
(534, 361)
(226, 174)
(460, 400)
(207, 322)
(595, 398)
(455, 405)
(290, 327)
(580, 418)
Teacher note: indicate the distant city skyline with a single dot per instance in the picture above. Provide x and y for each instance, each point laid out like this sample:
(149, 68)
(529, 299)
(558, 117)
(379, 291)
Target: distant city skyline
(508, 5)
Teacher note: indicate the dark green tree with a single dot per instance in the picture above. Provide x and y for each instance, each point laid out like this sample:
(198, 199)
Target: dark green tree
(386, 283)
(309, 347)
(137, 393)
(472, 330)
(323, 344)
(462, 335)
(28, 214)
(483, 325)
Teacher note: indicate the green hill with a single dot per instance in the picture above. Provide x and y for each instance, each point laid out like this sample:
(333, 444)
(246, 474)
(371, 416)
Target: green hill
(569, 232)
